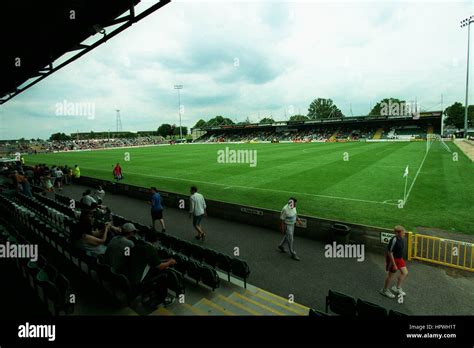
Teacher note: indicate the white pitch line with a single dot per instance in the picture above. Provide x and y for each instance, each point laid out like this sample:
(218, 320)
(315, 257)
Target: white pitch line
(416, 176)
(254, 188)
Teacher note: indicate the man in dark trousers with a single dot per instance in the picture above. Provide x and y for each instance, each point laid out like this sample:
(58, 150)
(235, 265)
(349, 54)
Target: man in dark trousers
(394, 262)
(157, 209)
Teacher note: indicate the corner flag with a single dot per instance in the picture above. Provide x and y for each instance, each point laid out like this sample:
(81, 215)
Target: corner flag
(406, 172)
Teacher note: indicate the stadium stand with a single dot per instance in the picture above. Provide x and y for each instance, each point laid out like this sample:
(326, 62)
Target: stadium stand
(344, 129)
(53, 220)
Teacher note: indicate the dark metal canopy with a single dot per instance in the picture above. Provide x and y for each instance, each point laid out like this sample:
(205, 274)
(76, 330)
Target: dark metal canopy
(35, 33)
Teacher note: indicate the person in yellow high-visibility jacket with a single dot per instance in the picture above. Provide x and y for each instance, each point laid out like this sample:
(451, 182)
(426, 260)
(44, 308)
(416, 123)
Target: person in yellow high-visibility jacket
(77, 172)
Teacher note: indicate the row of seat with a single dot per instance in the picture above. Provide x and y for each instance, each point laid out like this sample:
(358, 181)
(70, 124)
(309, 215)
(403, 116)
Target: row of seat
(193, 260)
(51, 286)
(66, 209)
(197, 272)
(201, 256)
(113, 282)
(56, 217)
(345, 305)
(193, 256)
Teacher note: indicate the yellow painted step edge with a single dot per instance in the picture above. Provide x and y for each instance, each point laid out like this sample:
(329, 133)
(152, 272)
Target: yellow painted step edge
(162, 311)
(276, 303)
(192, 309)
(258, 304)
(215, 306)
(282, 298)
(238, 305)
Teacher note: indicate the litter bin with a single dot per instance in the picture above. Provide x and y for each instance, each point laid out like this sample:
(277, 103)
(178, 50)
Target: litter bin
(340, 233)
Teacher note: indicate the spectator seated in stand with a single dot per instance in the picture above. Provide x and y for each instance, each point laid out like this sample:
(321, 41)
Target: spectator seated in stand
(144, 264)
(99, 194)
(87, 200)
(86, 238)
(120, 247)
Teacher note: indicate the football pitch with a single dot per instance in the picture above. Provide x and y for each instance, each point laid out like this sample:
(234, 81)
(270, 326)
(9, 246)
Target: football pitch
(354, 182)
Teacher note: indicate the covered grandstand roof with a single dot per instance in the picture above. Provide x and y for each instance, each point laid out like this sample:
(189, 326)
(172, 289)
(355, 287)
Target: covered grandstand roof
(429, 116)
(36, 33)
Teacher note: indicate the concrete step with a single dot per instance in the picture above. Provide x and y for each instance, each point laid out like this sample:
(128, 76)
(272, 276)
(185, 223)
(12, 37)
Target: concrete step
(262, 308)
(279, 302)
(185, 309)
(162, 311)
(211, 308)
(234, 307)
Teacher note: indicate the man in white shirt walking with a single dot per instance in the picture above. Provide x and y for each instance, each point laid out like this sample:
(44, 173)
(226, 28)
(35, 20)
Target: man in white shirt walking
(197, 209)
(288, 218)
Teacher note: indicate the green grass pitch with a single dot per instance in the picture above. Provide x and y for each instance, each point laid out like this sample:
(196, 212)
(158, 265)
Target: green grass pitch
(365, 188)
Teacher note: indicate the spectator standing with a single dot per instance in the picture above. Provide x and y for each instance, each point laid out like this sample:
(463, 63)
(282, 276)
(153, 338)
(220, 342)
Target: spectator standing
(394, 262)
(59, 178)
(157, 209)
(197, 210)
(117, 172)
(66, 176)
(76, 172)
(288, 219)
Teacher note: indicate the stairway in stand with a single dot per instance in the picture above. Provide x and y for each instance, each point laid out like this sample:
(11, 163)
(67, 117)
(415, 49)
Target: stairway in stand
(237, 301)
(378, 134)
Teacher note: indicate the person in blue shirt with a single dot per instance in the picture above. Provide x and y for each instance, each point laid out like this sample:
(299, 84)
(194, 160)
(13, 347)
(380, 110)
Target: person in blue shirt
(156, 209)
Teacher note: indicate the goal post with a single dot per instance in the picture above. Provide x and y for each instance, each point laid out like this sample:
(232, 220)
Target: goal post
(431, 138)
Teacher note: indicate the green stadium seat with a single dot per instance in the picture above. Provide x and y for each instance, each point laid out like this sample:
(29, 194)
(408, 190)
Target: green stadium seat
(316, 313)
(210, 257)
(121, 288)
(194, 270)
(209, 277)
(174, 281)
(224, 263)
(396, 314)
(367, 309)
(181, 263)
(341, 304)
(55, 292)
(240, 269)
(197, 252)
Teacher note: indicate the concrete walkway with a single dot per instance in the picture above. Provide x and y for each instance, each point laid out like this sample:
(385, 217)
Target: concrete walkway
(430, 290)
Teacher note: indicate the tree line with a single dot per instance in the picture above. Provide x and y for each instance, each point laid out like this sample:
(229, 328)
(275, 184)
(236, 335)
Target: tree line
(322, 108)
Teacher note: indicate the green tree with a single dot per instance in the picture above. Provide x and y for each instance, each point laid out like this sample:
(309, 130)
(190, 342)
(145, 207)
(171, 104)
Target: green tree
(59, 137)
(219, 121)
(299, 118)
(200, 124)
(377, 109)
(176, 130)
(266, 120)
(164, 130)
(455, 115)
(322, 108)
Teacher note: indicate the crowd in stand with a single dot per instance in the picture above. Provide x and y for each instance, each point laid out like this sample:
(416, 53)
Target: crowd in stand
(94, 231)
(42, 146)
(96, 234)
(295, 135)
(49, 179)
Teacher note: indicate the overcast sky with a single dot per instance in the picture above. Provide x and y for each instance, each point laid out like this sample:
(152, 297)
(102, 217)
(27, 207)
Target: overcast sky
(254, 59)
